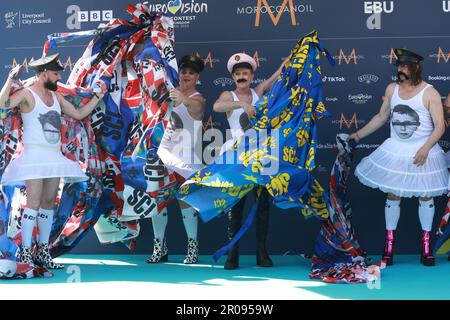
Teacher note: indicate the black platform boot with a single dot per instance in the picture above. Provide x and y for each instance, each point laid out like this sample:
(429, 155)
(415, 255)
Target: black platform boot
(234, 224)
(262, 226)
(160, 252)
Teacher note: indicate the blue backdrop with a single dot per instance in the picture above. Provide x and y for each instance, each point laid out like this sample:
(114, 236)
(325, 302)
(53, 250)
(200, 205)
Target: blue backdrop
(359, 34)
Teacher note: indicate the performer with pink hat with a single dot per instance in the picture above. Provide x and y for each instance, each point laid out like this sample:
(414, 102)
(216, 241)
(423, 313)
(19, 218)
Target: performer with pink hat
(239, 105)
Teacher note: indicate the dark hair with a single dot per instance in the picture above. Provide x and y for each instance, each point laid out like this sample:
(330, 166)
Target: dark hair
(51, 117)
(191, 61)
(415, 73)
(245, 65)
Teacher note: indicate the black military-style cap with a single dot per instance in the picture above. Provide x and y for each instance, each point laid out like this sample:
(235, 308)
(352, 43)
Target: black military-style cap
(47, 63)
(191, 61)
(405, 56)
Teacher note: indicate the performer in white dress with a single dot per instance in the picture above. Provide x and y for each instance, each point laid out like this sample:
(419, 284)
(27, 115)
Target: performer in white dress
(41, 164)
(181, 152)
(410, 163)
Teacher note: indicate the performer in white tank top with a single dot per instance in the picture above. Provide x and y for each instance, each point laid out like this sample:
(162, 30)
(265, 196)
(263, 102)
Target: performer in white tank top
(41, 165)
(181, 152)
(181, 145)
(410, 163)
(240, 108)
(238, 119)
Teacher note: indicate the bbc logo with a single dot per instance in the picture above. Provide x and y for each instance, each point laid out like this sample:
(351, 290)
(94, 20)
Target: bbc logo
(95, 15)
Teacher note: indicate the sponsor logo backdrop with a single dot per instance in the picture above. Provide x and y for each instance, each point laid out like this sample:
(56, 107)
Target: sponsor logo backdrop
(359, 34)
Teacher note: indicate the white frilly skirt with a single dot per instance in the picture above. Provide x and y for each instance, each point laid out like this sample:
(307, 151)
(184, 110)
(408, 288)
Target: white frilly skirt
(177, 164)
(40, 162)
(390, 168)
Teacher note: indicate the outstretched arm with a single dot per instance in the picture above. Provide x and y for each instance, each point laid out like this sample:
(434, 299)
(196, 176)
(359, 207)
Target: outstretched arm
(6, 101)
(81, 113)
(225, 103)
(265, 86)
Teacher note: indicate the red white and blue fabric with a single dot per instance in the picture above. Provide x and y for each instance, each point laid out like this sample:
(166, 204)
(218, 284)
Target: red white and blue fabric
(117, 144)
(442, 245)
(338, 257)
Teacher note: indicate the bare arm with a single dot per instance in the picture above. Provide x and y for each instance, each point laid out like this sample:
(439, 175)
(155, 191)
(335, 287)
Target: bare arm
(81, 113)
(225, 103)
(434, 105)
(6, 101)
(195, 104)
(379, 119)
(9, 102)
(262, 88)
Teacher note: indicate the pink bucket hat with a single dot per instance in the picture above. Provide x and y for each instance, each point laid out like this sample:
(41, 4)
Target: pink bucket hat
(239, 58)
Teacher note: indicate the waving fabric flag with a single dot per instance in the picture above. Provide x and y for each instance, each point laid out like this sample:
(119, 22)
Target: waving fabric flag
(277, 152)
(442, 245)
(136, 61)
(338, 257)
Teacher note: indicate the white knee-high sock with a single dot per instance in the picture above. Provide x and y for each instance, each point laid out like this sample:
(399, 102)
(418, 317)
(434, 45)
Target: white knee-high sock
(159, 224)
(190, 221)
(44, 222)
(28, 223)
(392, 213)
(426, 214)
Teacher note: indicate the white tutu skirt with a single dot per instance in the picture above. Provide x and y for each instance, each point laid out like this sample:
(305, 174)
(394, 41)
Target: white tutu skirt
(175, 164)
(40, 162)
(390, 168)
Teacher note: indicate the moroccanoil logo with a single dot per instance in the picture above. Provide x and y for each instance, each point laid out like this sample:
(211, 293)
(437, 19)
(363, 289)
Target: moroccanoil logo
(209, 60)
(257, 57)
(348, 58)
(441, 55)
(391, 56)
(275, 9)
(270, 12)
(25, 62)
(349, 122)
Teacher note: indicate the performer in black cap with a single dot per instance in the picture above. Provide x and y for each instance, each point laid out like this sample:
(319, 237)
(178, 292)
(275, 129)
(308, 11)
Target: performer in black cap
(41, 164)
(181, 152)
(410, 163)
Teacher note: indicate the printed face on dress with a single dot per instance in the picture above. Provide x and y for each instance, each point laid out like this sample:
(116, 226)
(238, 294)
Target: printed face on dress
(405, 121)
(51, 126)
(51, 133)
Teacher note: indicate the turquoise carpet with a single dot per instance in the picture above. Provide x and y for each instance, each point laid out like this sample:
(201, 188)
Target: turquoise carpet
(129, 277)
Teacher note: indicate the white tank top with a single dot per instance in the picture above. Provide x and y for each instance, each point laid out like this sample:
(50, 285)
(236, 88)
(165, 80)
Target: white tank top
(42, 126)
(182, 133)
(410, 120)
(238, 120)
